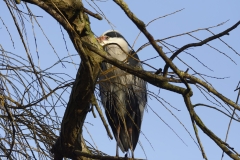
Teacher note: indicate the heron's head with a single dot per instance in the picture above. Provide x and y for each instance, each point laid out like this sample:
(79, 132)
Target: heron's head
(113, 37)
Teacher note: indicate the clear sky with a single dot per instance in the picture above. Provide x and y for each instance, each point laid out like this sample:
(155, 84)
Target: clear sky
(196, 15)
(158, 139)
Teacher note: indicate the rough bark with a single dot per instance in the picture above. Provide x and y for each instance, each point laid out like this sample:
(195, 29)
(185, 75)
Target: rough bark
(72, 17)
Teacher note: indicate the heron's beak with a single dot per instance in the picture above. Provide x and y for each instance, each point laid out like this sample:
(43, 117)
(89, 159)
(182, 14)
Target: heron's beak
(101, 39)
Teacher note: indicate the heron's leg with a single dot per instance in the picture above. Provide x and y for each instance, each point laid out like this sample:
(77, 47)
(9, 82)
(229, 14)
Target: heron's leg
(131, 142)
(132, 153)
(117, 155)
(118, 132)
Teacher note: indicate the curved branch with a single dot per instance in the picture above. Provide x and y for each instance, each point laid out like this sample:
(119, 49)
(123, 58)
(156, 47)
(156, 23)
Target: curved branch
(142, 27)
(226, 32)
(200, 104)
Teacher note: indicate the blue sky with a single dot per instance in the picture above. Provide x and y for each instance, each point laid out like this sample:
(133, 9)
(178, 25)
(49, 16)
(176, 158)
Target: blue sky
(158, 140)
(196, 15)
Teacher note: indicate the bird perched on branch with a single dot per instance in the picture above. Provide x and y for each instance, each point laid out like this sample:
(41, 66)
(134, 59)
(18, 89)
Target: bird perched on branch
(123, 95)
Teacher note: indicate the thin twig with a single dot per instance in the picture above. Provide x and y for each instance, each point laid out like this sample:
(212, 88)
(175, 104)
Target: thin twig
(232, 117)
(226, 32)
(95, 103)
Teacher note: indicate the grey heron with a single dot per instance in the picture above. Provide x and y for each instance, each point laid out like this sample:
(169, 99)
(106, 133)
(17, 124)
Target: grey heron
(123, 95)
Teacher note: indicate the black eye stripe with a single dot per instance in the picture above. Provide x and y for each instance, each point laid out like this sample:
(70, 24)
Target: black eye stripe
(113, 34)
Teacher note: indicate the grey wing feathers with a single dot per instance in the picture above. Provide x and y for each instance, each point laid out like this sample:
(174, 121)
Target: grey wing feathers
(124, 98)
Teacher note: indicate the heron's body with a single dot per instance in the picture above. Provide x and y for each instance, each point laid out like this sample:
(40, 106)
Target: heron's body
(123, 95)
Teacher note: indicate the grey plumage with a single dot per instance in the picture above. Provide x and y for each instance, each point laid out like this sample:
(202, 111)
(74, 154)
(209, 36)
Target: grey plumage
(123, 95)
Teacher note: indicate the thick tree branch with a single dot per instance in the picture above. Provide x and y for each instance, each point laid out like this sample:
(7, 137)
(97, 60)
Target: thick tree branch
(100, 157)
(71, 16)
(154, 79)
(142, 27)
